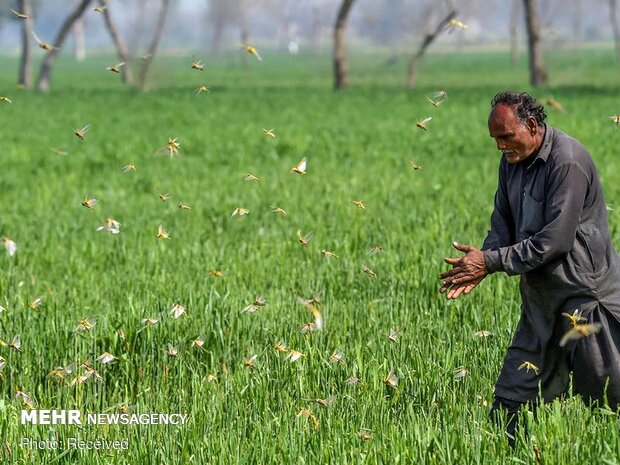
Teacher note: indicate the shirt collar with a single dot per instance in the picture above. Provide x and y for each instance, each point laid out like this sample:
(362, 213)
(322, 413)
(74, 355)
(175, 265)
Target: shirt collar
(545, 148)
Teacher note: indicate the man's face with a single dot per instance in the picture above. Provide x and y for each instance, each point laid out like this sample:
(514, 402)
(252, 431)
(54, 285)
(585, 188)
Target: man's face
(516, 140)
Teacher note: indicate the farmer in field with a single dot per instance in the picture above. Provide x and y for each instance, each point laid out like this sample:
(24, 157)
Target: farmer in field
(549, 225)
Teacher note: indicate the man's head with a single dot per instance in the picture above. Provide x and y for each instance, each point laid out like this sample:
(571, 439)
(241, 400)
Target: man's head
(516, 122)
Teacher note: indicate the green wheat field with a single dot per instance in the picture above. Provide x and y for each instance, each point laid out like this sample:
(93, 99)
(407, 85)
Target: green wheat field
(98, 290)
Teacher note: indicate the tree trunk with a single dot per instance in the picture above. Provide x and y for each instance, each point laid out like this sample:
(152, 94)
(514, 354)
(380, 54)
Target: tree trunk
(613, 18)
(538, 75)
(340, 60)
(428, 40)
(121, 48)
(159, 29)
(244, 29)
(45, 74)
(2, 21)
(514, 44)
(218, 17)
(80, 40)
(25, 64)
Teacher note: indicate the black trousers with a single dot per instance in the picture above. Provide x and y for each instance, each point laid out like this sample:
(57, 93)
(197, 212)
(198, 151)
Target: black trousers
(595, 363)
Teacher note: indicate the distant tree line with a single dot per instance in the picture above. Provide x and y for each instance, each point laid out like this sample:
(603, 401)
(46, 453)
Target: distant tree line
(434, 16)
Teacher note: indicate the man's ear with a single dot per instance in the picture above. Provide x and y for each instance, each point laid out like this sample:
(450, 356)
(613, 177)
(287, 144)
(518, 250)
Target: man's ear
(532, 125)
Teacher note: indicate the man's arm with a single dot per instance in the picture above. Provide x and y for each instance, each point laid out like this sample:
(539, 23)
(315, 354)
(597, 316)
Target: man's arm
(567, 189)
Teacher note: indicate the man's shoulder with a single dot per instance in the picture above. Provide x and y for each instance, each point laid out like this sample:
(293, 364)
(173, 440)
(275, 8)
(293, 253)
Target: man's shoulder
(567, 149)
(561, 139)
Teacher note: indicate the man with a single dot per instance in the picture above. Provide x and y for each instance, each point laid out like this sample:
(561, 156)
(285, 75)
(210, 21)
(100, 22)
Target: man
(549, 225)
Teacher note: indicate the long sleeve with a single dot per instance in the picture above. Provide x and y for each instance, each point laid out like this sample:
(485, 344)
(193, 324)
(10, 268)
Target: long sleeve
(502, 223)
(567, 186)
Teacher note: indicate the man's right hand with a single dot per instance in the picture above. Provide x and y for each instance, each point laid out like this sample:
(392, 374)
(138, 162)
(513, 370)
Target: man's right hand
(455, 290)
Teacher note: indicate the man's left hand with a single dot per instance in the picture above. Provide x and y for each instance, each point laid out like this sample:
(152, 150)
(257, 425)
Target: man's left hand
(471, 267)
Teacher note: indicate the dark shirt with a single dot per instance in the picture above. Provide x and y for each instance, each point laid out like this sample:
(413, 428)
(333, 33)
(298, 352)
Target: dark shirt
(549, 225)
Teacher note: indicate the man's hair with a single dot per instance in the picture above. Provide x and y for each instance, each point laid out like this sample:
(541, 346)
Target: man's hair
(523, 104)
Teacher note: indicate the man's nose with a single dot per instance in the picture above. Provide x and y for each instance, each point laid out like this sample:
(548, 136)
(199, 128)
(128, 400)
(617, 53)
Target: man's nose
(500, 144)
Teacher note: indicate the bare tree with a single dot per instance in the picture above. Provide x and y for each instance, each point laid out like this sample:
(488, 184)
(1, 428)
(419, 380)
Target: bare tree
(613, 18)
(220, 14)
(159, 29)
(428, 40)
(244, 28)
(45, 74)
(4, 14)
(514, 48)
(538, 75)
(79, 39)
(340, 60)
(25, 64)
(121, 48)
